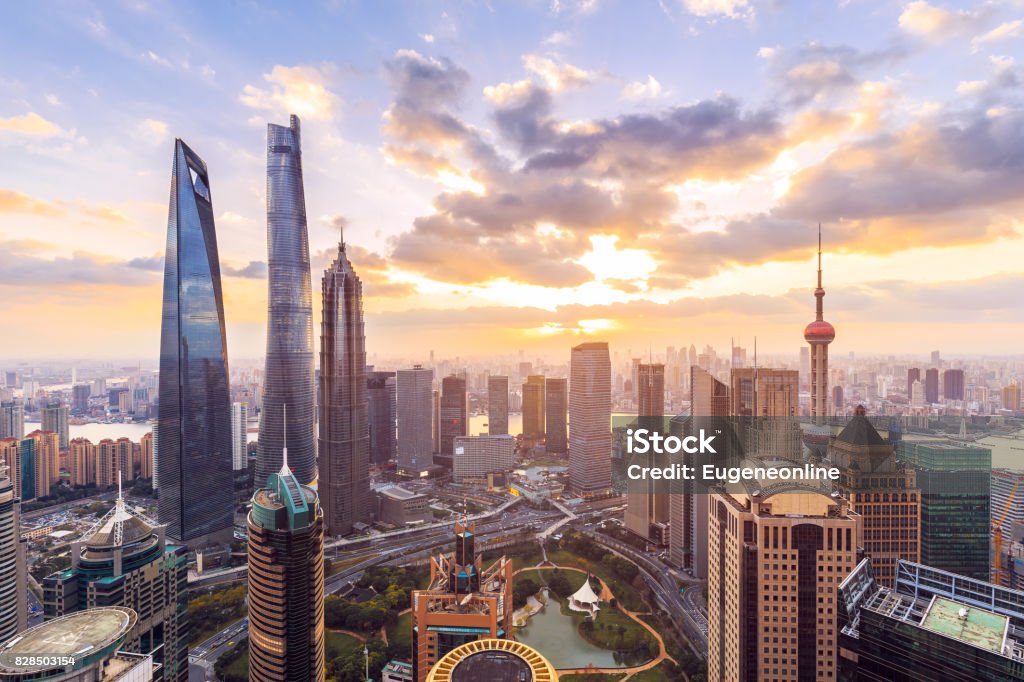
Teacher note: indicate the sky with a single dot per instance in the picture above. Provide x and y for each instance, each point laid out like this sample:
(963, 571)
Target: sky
(528, 175)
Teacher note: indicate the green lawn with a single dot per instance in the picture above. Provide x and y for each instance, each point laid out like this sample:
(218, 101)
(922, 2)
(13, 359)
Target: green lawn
(593, 677)
(655, 674)
(240, 666)
(339, 644)
(544, 574)
(401, 631)
(624, 592)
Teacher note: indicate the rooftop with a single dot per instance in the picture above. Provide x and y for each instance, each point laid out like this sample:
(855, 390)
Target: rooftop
(398, 493)
(860, 431)
(969, 624)
(79, 634)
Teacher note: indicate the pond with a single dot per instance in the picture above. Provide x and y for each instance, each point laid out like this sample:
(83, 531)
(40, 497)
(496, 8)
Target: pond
(554, 635)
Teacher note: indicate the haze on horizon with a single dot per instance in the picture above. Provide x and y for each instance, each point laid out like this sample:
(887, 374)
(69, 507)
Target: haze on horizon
(528, 177)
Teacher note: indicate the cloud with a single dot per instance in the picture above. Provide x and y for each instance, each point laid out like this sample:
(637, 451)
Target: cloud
(1006, 31)
(731, 9)
(301, 90)
(427, 37)
(105, 213)
(557, 77)
(931, 21)
(23, 264)
(232, 218)
(12, 201)
(817, 71)
(639, 90)
(32, 125)
(151, 263)
(256, 269)
(574, 6)
(152, 130)
(558, 38)
(156, 59)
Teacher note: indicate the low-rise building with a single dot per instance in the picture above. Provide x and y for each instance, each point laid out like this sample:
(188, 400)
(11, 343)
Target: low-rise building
(401, 507)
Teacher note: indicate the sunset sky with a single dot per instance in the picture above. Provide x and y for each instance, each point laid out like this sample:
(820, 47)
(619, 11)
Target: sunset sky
(529, 175)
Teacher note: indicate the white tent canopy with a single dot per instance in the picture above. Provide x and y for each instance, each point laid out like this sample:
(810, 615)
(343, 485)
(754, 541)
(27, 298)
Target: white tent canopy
(585, 600)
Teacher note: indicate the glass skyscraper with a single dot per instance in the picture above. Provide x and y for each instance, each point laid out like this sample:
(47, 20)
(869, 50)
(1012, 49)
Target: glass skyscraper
(288, 379)
(194, 422)
(344, 422)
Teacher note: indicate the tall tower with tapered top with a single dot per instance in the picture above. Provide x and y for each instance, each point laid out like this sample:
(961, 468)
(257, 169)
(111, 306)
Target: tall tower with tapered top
(818, 335)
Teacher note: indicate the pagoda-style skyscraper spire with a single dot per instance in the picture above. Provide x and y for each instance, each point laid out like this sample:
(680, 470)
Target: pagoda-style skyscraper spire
(344, 441)
(819, 334)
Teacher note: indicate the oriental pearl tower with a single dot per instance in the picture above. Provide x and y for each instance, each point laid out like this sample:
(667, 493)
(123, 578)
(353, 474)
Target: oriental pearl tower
(818, 335)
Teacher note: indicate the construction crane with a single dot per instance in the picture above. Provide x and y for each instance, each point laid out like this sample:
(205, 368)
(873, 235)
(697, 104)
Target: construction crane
(997, 535)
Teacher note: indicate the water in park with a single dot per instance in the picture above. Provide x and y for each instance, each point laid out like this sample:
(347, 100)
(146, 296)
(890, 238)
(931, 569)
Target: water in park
(554, 635)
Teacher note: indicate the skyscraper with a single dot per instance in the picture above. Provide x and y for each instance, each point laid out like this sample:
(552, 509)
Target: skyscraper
(45, 461)
(239, 436)
(463, 603)
(381, 402)
(819, 334)
(556, 404)
(54, 417)
(125, 560)
(452, 415)
(953, 384)
(286, 581)
(288, 377)
(590, 414)
(13, 576)
(82, 462)
(194, 421)
(647, 501)
(12, 419)
(80, 398)
(344, 416)
(931, 385)
(883, 491)
(497, 405)
(533, 407)
(913, 374)
(769, 555)
(415, 407)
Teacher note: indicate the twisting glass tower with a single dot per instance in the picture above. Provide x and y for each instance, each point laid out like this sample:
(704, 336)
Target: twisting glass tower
(194, 422)
(344, 419)
(288, 378)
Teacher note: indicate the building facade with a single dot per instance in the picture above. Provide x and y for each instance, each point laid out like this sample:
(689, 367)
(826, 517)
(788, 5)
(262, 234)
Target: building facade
(382, 408)
(12, 419)
(194, 420)
(819, 334)
(54, 417)
(239, 436)
(126, 561)
(286, 581)
(477, 456)
(497, 405)
(414, 414)
(13, 572)
(452, 418)
(533, 407)
(556, 407)
(344, 442)
(288, 374)
(590, 414)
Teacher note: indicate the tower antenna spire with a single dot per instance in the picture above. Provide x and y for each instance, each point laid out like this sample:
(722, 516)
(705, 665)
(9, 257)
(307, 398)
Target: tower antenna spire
(819, 255)
(284, 449)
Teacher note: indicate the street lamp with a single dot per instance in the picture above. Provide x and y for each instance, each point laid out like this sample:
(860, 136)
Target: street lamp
(366, 658)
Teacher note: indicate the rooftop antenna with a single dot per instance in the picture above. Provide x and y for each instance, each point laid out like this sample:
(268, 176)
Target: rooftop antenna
(284, 450)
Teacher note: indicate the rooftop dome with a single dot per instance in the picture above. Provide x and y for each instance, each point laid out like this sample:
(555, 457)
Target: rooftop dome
(819, 331)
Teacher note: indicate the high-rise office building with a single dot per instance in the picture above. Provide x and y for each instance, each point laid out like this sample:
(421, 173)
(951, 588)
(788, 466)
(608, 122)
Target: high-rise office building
(452, 419)
(917, 394)
(54, 418)
(382, 407)
(45, 453)
(288, 376)
(936, 358)
(954, 480)
(125, 560)
(12, 419)
(476, 456)
(13, 575)
(464, 602)
(775, 561)
(344, 414)
(239, 436)
(772, 397)
(590, 414)
(953, 384)
(837, 400)
(1011, 397)
(286, 581)
(194, 421)
(647, 501)
(931, 386)
(819, 334)
(533, 407)
(933, 625)
(80, 398)
(82, 462)
(556, 406)
(414, 411)
(883, 491)
(497, 405)
(146, 467)
(913, 374)
(10, 457)
(1007, 493)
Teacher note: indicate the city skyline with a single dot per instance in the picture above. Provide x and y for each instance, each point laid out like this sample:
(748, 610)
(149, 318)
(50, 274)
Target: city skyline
(473, 188)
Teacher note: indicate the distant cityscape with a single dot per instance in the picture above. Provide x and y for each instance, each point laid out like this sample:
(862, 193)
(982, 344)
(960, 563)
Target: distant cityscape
(405, 521)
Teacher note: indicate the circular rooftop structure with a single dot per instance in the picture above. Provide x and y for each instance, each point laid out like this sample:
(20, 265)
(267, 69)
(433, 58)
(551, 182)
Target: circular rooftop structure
(84, 636)
(494, 660)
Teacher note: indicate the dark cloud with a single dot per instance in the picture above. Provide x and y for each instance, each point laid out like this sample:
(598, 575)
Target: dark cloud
(816, 70)
(23, 263)
(152, 263)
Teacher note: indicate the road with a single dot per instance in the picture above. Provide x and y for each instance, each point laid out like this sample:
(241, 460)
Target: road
(404, 547)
